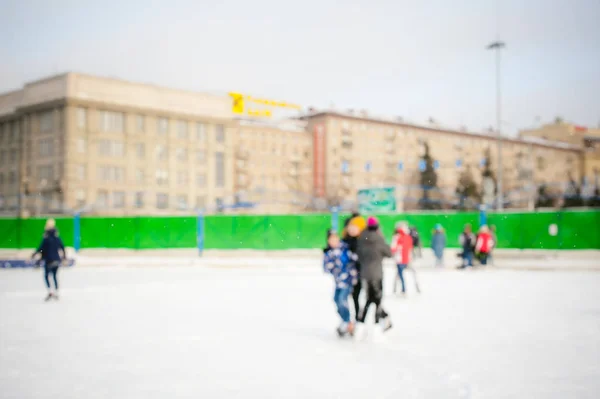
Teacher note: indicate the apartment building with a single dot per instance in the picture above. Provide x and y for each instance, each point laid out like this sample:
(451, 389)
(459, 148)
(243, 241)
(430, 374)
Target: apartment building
(81, 143)
(586, 137)
(273, 167)
(354, 150)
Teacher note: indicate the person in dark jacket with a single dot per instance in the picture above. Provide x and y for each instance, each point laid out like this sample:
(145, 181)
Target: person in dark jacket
(51, 248)
(353, 227)
(467, 242)
(371, 251)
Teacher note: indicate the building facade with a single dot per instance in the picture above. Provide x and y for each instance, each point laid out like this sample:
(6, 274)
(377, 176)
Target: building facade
(355, 150)
(81, 143)
(75, 142)
(585, 137)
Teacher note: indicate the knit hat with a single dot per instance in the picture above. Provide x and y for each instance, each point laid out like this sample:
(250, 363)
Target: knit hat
(372, 221)
(438, 226)
(359, 222)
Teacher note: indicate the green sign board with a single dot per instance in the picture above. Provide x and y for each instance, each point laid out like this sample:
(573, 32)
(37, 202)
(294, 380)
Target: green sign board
(377, 200)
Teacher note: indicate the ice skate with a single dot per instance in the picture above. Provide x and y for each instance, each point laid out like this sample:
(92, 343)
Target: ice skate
(48, 297)
(386, 324)
(55, 296)
(342, 330)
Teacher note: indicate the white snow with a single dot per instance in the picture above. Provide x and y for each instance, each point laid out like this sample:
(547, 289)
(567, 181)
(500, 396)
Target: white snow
(269, 332)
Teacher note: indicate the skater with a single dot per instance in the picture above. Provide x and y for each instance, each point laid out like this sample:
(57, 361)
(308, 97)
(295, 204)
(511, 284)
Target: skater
(340, 262)
(467, 242)
(484, 244)
(50, 249)
(438, 244)
(495, 239)
(352, 229)
(372, 249)
(416, 240)
(402, 246)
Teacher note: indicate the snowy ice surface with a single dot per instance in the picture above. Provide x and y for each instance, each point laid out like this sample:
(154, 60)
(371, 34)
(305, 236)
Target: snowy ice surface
(269, 332)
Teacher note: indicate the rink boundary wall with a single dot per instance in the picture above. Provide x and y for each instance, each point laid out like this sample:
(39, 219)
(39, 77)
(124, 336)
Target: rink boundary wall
(576, 230)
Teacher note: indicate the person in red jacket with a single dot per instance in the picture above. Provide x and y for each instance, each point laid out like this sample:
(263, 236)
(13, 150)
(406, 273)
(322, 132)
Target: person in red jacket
(484, 244)
(402, 246)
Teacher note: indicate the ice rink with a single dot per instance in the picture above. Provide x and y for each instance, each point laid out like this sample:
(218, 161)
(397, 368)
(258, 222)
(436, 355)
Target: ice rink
(269, 332)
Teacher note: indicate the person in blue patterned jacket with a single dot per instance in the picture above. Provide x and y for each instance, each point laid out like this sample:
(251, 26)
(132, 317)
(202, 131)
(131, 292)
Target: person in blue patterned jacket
(340, 261)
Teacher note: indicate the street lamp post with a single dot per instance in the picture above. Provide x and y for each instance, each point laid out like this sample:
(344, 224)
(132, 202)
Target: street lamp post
(497, 46)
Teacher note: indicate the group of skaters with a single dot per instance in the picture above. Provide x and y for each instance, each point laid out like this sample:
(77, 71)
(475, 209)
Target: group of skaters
(476, 247)
(356, 262)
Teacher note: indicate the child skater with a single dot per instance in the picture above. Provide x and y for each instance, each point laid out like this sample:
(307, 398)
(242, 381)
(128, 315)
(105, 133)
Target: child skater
(341, 263)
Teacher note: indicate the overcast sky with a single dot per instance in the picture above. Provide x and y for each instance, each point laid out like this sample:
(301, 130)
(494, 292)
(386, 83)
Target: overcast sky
(414, 59)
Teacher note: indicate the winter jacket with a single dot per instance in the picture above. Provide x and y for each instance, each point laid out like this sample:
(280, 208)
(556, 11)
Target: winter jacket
(402, 245)
(467, 242)
(50, 247)
(485, 243)
(438, 243)
(415, 237)
(371, 251)
(340, 262)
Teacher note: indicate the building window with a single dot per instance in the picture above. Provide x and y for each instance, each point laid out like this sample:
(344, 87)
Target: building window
(81, 145)
(200, 202)
(45, 174)
(201, 180)
(80, 198)
(1, 179)
(140, 150)
(12, 177)
(102, 199)
(220, 133)
(46, 121)
(111, 122)
(162, 153)
(162, 177)
(541, 163)
(13, 156)
(220, 169)
(200, 156)
(182, 130)
(111, 148)
(118, 199)
(46, 148)
(2, 157)
(140, 176)
(139, 199)
(162, 201)
(163, 126)
(140, 124)
(182, 178)
(181, 154)
(81, 118)
(200, 131)
(16, 128)
(81, 172)
(111, 173)
(182, 202)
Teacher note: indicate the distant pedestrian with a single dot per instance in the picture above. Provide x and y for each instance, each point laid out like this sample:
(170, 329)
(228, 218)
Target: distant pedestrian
(51, 248)
(402, 245)
(495, 238)
(416, 239)
(467, 243)
(372, 249)
(438, 244)
(484, 244)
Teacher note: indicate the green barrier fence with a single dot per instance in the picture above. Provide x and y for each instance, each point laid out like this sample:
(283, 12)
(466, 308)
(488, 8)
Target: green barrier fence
(576, 230)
